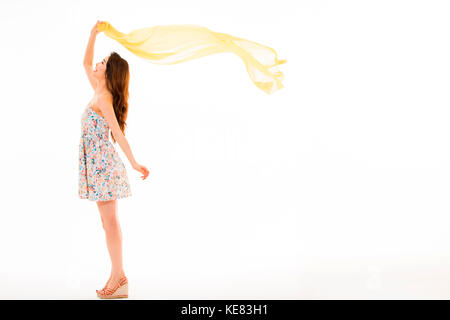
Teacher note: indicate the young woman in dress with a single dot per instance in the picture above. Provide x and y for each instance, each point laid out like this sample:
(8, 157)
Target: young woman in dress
(103, 177)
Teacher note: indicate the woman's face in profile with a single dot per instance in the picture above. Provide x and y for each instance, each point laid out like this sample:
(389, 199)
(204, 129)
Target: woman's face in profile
(100, 68)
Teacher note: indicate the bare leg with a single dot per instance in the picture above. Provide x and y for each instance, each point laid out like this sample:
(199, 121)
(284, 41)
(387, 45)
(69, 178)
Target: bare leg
(113, 233)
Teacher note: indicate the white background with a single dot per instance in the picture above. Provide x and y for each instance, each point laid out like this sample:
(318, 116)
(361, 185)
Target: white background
(335, 187)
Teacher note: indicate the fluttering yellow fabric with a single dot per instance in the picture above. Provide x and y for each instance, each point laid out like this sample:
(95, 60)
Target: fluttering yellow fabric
(171, 44)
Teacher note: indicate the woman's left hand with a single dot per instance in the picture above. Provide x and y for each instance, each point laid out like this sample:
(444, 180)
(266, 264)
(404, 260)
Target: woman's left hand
(95, 30)
(142, 169)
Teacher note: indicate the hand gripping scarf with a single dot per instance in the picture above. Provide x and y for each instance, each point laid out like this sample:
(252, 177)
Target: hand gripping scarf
(171, 44)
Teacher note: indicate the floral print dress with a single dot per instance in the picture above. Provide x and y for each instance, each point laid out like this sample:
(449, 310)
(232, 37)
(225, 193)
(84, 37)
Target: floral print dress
(102, 174)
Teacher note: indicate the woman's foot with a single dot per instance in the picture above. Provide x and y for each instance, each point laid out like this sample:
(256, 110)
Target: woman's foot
(106, 285)
(116, 287)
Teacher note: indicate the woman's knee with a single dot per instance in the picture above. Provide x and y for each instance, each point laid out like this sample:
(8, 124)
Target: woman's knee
(110, 223)
(109, 219)
(108, 214)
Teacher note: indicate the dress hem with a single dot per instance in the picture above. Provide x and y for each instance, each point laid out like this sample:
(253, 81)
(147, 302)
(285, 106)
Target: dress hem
(116, 198)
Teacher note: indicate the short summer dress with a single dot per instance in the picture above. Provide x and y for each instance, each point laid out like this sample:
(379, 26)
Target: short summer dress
(102, 174)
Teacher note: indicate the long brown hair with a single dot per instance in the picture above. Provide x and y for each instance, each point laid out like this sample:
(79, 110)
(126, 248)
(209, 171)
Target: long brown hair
(117, 76)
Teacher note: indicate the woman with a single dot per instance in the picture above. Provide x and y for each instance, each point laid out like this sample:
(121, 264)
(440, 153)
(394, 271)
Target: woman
(103, 177)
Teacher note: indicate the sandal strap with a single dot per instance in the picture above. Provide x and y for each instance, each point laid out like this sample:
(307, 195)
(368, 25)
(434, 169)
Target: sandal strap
(109, 291)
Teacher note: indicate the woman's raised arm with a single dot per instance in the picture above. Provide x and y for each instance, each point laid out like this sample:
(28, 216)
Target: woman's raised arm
(89, 54)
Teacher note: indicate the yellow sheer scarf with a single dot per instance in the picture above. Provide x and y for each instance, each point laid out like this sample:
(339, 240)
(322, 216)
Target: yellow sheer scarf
(171, 44)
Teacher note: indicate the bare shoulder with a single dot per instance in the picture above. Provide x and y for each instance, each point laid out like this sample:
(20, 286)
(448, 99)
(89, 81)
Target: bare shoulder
(105, 98)
(105, 101)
